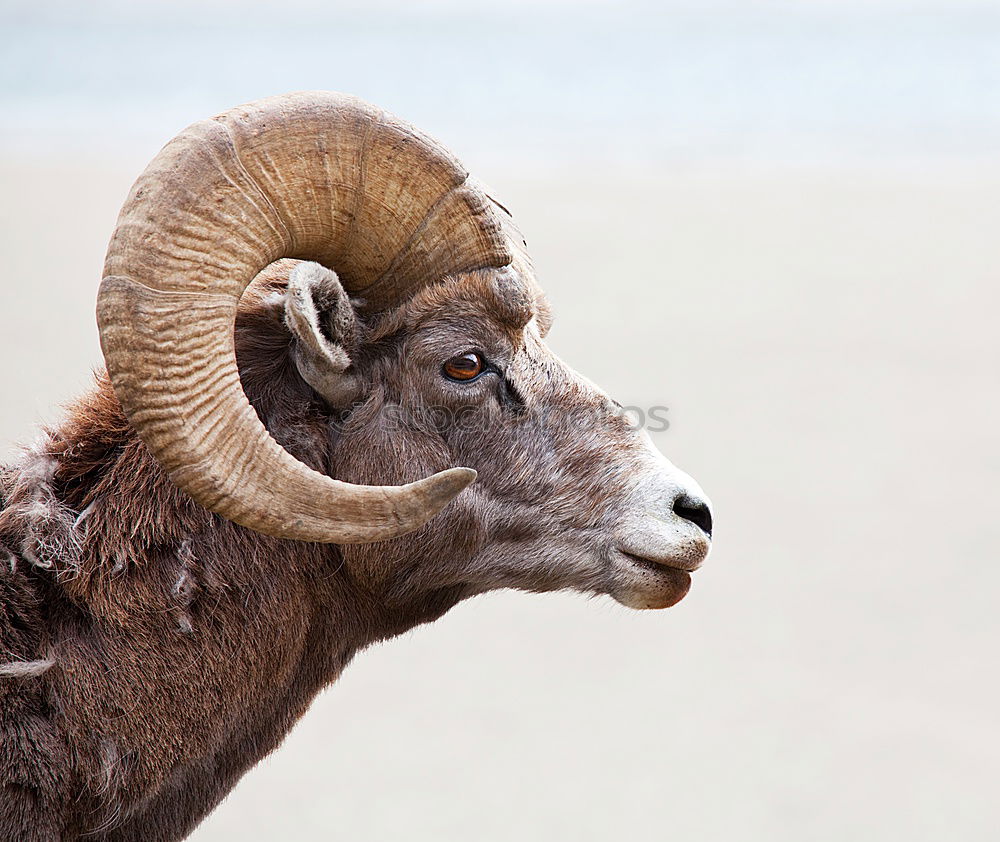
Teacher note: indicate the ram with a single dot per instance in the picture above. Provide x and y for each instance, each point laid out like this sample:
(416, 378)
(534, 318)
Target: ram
(329, 415)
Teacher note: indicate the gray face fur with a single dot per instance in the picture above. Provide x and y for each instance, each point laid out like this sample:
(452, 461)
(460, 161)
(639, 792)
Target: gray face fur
(569, 494)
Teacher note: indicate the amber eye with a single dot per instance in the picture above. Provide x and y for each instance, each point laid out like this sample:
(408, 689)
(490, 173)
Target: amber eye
(465, 367)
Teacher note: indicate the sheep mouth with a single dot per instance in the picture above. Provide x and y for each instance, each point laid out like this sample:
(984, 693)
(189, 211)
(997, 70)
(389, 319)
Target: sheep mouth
(658, 566)
(642, 582)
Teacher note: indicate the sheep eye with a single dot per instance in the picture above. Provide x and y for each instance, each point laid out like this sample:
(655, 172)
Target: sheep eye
(463, 368)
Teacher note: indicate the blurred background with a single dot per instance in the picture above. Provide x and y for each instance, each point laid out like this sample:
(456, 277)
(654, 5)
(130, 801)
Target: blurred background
(781, 220)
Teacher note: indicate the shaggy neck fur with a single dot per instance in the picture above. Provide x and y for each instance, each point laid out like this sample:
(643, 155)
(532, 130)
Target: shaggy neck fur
(150, 652)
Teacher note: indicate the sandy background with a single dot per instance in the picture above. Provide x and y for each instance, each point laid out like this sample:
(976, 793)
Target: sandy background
(818, 308)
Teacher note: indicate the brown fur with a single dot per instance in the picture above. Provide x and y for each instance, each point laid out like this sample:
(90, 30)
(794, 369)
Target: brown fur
(168, 650)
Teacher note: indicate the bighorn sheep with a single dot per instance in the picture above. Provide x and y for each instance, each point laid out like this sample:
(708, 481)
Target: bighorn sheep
(181, 573)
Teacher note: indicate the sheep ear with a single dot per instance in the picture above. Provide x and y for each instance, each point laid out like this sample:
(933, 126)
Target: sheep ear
(320, 317)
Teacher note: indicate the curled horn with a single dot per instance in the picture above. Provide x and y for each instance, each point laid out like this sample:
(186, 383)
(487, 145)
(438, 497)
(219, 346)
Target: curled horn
(317, 176)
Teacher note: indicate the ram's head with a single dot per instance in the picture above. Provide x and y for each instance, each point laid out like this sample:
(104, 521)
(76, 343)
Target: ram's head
(425, 341)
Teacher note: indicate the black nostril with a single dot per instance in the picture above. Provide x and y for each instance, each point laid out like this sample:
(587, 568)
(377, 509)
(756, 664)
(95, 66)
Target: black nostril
(695, 510)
